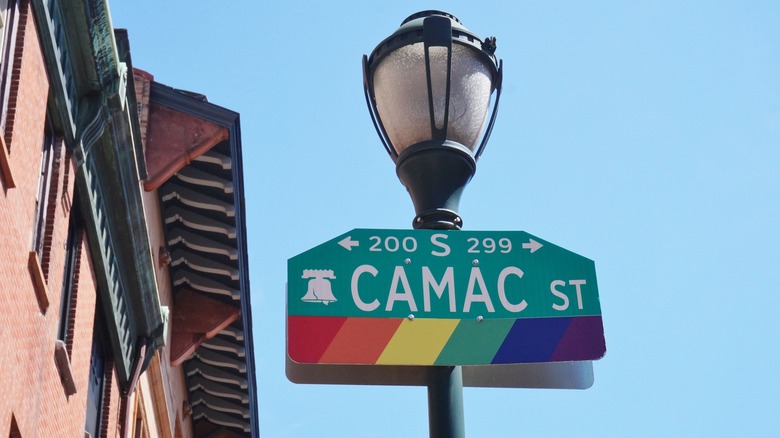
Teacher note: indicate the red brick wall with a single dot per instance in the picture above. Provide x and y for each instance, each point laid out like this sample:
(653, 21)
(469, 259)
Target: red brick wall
(30, 389)
(22, 326)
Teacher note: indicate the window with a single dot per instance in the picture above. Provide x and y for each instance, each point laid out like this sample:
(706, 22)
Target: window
(44, 185)
(9, 18)
(46, 200)
(99, 384)
(97, 372)
(63, 347)
(70, 280)
(45, 212)
(8, 24)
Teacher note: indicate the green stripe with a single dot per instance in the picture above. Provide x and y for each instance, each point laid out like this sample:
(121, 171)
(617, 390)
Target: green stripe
(474, 343)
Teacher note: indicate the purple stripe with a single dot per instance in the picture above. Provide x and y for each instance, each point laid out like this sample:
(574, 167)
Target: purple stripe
(584, 340)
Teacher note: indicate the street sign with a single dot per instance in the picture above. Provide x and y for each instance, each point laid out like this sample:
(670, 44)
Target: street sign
(434, 297)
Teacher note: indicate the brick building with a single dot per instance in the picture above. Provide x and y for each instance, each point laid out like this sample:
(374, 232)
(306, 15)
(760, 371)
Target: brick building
(124, 310)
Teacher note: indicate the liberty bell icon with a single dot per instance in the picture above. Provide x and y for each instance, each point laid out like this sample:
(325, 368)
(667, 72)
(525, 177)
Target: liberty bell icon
(319, 290)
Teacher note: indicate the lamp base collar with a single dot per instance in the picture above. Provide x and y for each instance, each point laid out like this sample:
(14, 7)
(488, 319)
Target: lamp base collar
(438, 219)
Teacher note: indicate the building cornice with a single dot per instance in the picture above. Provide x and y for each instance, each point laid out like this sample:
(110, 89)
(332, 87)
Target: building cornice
(91, 99)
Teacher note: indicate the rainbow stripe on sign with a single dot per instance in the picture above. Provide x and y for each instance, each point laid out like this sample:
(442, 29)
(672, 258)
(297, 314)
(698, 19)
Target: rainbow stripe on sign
(428, 341)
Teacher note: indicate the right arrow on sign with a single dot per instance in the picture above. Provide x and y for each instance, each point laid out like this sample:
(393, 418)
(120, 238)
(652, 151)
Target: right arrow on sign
(532, 245)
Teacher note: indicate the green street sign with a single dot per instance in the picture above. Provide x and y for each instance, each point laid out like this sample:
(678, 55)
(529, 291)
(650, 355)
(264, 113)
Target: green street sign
(433, 297)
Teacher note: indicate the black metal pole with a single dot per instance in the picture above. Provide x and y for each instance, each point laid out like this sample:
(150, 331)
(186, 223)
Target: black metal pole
(445, 383)
(445, 402)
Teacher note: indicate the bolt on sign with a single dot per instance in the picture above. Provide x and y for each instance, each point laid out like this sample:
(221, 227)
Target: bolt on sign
(433, 297)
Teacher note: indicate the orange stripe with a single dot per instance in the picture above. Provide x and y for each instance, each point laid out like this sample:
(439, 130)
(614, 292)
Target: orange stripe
(361, 340)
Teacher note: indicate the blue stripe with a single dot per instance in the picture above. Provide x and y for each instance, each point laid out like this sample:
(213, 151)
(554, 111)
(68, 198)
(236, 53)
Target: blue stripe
(532, 340)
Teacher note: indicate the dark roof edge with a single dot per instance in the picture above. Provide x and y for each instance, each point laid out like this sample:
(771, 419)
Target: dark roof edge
(196, 105)
(241, 238)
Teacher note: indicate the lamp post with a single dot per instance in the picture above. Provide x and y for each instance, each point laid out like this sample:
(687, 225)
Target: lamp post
(428, 88)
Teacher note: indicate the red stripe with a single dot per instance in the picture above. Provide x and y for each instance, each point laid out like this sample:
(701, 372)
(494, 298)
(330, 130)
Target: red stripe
(309, 336)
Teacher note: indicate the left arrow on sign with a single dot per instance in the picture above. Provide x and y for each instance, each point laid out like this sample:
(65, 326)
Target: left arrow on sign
(347, 243)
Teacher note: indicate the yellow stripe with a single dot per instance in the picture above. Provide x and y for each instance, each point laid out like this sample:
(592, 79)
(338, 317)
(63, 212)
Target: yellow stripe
(418, 342)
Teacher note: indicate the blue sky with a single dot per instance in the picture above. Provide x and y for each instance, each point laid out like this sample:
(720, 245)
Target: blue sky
(642, 136)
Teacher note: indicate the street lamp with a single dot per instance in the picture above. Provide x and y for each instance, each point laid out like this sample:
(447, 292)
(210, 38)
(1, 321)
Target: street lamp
(428, 88)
